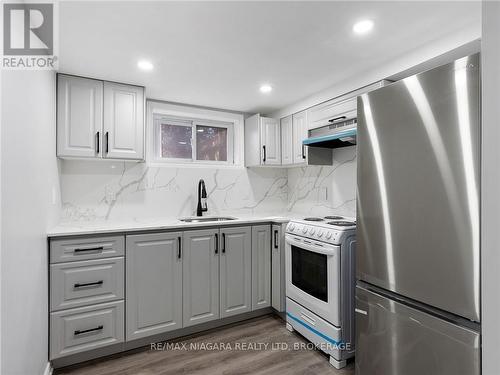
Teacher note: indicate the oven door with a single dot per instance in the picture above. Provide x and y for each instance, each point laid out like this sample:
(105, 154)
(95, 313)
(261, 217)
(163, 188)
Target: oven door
(313, 276)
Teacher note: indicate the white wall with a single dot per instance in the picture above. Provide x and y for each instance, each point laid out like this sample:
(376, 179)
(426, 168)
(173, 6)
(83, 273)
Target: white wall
(28, 176)
(490, 200)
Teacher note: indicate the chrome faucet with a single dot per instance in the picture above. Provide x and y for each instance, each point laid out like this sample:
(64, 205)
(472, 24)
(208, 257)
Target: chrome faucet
(202, 198)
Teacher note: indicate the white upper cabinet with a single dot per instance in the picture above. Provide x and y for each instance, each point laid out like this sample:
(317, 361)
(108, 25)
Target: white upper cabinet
(332, 111)
(98, 119)
(123, 121)
(299, 134)
(286, 141)
(79, 116)
(270, 141)
(293, 132)
(342, 108)
(262, 141)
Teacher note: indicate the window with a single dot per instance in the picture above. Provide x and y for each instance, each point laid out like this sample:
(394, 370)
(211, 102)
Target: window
(211, 143)
(193, 140)
(176, 140)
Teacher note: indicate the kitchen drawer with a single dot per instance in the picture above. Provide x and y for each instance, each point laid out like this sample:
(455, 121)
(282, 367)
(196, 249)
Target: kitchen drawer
(86, 328)
(69, 250)
(88, 282)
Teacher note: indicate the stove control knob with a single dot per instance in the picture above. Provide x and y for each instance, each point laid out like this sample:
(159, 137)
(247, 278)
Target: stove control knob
(320, 233)
(328, 235)
(304, 229)
(311, 231)
(291, 227)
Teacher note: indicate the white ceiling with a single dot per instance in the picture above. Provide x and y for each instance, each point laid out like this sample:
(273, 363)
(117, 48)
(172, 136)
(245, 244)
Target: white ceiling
(217, 54)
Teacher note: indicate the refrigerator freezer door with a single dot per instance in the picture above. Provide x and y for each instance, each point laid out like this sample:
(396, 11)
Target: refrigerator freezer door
(394, 339)
(418, 187)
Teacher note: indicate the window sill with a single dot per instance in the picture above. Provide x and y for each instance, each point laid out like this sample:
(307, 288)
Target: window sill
(159, 163)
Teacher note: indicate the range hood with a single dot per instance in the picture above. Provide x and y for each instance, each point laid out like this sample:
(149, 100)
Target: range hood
(340, 133)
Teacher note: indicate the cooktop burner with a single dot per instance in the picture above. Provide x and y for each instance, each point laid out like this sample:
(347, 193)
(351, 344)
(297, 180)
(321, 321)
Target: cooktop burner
(313, 219)
(342, 223)
(334, 217)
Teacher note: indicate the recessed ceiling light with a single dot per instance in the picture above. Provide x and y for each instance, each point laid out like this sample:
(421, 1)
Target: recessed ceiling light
(145, 65)
(266, 89)
(363, 27)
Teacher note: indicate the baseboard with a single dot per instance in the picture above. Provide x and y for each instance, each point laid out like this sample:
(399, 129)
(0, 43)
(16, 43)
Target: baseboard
(48, 369)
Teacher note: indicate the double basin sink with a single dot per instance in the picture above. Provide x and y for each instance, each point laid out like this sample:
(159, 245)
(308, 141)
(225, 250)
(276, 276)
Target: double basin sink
(206, 219)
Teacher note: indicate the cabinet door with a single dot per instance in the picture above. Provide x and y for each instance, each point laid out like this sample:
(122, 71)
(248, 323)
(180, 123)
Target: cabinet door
(123, 121)
(200, 263)
(79, 116)
(270, 141)
(299, 134)
(261, 266)
(235, 271)
(286, 141)
(278, 268)
(153, 284)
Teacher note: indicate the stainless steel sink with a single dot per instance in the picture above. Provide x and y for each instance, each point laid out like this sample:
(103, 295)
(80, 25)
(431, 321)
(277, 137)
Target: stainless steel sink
(206, 219)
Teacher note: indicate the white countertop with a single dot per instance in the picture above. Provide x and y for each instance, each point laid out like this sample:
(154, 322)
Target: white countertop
(111, 226)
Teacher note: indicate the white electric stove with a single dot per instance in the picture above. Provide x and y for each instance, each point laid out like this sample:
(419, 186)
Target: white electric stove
(320, 283)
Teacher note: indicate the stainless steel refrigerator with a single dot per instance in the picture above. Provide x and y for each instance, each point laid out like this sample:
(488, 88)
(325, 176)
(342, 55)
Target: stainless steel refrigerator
(418, 255)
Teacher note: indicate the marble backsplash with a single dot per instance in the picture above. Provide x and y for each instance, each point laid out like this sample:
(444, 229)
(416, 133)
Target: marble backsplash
(106, 190)
(326, 190)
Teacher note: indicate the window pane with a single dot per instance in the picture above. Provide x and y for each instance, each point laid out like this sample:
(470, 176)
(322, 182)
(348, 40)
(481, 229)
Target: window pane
(176, 141)
(211, 143)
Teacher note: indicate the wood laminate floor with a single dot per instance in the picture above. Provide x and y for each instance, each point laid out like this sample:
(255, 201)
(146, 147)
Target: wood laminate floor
(252, 359)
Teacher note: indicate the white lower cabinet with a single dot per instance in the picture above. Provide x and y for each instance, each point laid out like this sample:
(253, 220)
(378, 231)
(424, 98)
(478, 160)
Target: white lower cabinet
(86, 294)
(235, 271)
(85, 328)
(200, 275)
(153, 284)
(172, 280)
(278, 267)
(261, 266)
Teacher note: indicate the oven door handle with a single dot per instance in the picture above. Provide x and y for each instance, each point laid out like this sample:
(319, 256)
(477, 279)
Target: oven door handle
(326, 249)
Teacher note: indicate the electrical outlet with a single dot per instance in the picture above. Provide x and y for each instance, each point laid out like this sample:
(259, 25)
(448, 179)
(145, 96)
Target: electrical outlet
(323, 194)
(54, 195)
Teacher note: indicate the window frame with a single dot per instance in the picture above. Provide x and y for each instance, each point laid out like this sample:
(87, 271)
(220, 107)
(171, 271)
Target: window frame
(183, 111)
(192, 123)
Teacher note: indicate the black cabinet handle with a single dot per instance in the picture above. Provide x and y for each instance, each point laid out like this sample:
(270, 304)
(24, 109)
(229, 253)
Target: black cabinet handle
(99, 248)
(107, 142)
(303, 151)
(336, 119)
(275, 239)
(216, 243)
(179, 245)
(223, 243)
(95, 283)
(264, 157)
(98, 328)
(97, 143)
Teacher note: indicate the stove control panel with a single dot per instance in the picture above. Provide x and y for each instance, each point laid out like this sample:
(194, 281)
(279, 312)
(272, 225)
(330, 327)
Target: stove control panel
(315, 232)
